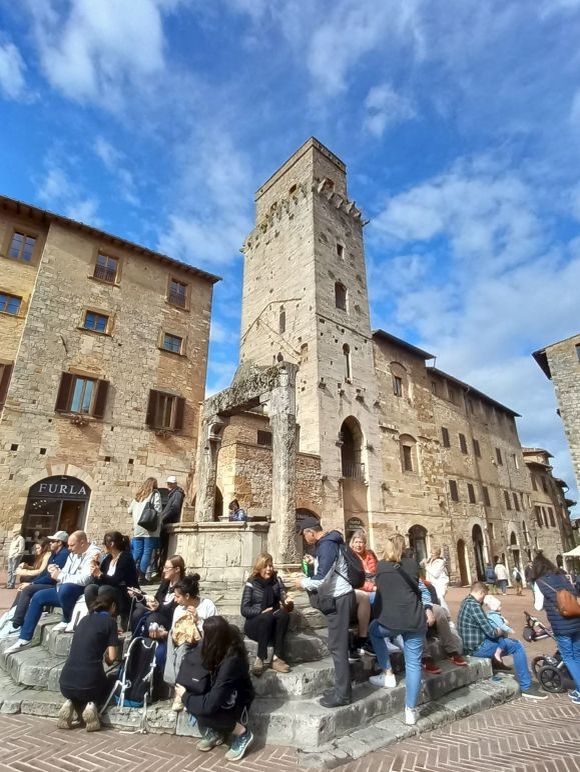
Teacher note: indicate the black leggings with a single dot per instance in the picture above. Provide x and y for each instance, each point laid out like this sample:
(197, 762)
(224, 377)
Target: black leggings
(224, 721)
(267, 629)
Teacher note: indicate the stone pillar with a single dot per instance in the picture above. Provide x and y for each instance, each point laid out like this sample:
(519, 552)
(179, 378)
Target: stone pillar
(282, 410)
(207, 469)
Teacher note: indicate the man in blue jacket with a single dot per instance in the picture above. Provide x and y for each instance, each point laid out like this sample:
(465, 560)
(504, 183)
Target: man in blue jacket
(335, 599)
(43, 581)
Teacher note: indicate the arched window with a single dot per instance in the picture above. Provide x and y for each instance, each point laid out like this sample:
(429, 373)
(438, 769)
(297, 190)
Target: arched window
(282, 320)
(340, 296)
(408, 446)
(346, 354)
(351, 450)
(418, 541)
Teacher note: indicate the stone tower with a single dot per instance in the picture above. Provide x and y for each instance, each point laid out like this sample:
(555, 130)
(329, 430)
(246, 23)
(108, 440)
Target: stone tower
(305, 301)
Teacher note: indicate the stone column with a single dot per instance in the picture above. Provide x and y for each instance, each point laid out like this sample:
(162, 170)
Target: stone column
(207, 469)
(282, 409)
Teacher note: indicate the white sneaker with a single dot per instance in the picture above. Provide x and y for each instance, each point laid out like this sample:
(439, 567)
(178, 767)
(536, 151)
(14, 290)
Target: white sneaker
(20, 644)
(411, 716)
(386, 680)
(60, 627)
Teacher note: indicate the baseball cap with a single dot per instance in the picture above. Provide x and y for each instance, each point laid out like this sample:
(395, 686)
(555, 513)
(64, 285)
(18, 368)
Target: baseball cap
(172, 478)
(59, 536)
(308, 522)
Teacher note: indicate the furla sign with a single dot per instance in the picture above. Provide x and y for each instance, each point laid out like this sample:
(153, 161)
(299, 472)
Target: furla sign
(60, 488)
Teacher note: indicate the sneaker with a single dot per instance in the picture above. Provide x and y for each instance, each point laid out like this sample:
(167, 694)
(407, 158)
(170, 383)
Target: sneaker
(91, 717)
(60, 627)
(12, 631)
(239, 746)
(385, 680)
(258, 667)
(534, 693)
(353, 656)
(575, 696)
(66, 715)
(366, 650)
(20, 644)
(211, 739)
(411, 716)
(430, 667)
(458, 660)
(280, 666)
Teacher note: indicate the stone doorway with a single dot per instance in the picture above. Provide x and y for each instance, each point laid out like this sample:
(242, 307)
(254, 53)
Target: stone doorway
(462, 562)
(418, 542)
(477, 537)
(55, 504)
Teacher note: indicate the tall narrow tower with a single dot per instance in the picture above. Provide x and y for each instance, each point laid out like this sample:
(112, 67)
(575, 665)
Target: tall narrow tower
(305, 301)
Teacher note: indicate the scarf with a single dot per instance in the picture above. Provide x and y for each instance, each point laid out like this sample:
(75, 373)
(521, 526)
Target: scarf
(267, 587)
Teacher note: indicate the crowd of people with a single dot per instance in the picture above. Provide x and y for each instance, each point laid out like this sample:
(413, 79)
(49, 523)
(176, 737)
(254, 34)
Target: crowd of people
(374, 606)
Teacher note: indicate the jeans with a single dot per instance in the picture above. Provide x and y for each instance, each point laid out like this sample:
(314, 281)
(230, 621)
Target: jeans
(142, 548)
(508, 646)
(413, 651)
(65, 596)
(13, 564)
(502, 585)
(569, 646)
(22, 601)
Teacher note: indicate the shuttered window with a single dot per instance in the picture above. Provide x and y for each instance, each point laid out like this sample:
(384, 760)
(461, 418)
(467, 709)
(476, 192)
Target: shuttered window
(453, 490)
(165, 411)
(5, 375)
(81, 395)
(445, 437)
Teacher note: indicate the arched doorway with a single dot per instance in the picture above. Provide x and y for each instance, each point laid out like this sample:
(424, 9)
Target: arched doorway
(218, 507)
(55, 504)
(462, 561)
(477, 538)
(418, 541)
(301, 514)
(351, 439)
(515, 550)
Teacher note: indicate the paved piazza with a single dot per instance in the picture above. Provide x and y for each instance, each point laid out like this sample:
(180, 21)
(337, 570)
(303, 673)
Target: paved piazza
(517, 737)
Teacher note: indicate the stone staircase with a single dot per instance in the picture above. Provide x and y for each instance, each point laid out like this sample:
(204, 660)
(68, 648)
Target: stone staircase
(286, 709)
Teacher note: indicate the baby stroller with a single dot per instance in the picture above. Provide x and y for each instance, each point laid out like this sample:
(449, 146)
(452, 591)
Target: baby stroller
(551, 672)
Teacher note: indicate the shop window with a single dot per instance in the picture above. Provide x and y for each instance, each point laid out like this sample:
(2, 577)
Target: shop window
(165, 411)
(81, 395)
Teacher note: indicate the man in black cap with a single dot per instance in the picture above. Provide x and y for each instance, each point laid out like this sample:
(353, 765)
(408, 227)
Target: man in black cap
(332, 593)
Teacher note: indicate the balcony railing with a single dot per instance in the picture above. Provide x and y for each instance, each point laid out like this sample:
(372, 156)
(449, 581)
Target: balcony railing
(353, 470)
(105, 274)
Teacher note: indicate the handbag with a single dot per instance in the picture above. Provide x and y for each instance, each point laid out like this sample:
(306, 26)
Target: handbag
(323, 603)
(567, 603)
(149, 517)
(193, 674)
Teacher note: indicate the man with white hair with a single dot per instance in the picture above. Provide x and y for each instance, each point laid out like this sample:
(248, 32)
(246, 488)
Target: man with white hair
(71, 581)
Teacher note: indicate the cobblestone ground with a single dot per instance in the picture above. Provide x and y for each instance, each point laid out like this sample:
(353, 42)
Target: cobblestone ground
(518, 737)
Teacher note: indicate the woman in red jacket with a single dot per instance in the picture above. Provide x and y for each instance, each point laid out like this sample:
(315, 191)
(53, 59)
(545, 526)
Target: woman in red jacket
(364, 596)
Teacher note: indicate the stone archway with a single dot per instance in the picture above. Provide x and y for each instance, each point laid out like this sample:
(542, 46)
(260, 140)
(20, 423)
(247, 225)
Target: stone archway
(57, 503)
(418, 541)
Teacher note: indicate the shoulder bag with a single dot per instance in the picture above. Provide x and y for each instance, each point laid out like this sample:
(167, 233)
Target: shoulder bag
(149, 517)
(567, 604)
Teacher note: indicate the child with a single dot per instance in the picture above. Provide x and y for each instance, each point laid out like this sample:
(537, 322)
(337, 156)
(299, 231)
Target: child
(15, 553)
(494, 605)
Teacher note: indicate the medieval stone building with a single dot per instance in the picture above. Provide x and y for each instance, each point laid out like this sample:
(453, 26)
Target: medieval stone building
(382, 439)
(103, 351)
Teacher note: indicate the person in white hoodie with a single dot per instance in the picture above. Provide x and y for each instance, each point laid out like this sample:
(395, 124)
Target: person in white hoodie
(70, 585)
(15, 553)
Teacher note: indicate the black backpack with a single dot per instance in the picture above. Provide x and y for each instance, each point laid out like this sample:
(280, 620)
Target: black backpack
(355, 572)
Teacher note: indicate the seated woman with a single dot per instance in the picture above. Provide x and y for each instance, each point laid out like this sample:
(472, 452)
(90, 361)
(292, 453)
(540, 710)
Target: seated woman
(115, 574)
(364, 596)
(83, 680)
(159, 608)
(223, 708)
(186, 628)
(264, 609)
(41, 552)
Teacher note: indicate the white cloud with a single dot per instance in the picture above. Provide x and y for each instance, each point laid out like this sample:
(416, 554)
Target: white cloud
(115, 162)
(58, 192)
(385, 108)
(12, 67)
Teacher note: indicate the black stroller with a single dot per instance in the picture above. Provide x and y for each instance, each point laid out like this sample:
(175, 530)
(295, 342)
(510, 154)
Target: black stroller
(551, 672)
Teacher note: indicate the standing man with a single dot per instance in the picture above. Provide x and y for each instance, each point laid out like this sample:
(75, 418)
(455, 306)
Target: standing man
(335, 598)
(517, 577)
(15, 554)
(502, 575)
(171, 513)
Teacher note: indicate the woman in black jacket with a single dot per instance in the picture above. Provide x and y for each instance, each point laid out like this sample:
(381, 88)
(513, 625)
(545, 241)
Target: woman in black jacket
(223, 708)
(398, 610)
(264, 609)
(159, 607)
(114, 575)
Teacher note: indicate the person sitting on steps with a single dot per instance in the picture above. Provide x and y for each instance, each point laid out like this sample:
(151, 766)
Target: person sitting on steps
(264, 609)
(365, 595)
(25, 573)
(83, 680)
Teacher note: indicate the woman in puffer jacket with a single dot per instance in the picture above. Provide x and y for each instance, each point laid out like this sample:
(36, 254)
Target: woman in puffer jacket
(265, 609)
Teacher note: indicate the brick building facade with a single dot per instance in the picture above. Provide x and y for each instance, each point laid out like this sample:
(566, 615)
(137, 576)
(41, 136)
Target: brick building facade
(103, 352)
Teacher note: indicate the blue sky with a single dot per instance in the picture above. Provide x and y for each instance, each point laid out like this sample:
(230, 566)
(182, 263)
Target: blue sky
(459, 121)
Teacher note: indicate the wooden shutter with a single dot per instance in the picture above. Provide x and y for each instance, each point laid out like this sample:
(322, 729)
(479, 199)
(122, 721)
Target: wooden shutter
(101, 399)
(178, 412)
(5, 376)
(64, 393)
(152, 408)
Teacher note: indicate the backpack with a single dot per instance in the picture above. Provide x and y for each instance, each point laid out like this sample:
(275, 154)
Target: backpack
(355, 572)
(136, 673)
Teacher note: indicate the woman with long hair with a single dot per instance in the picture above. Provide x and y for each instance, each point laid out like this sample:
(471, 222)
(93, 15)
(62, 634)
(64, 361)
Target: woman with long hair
(159, 607)
(83, 680)
(548, 579)
(144, 542)
(41, 553)
(364, 596)
(114, 575)
(398, 610)
(223, 708)
(264, 609)
(436, 573)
